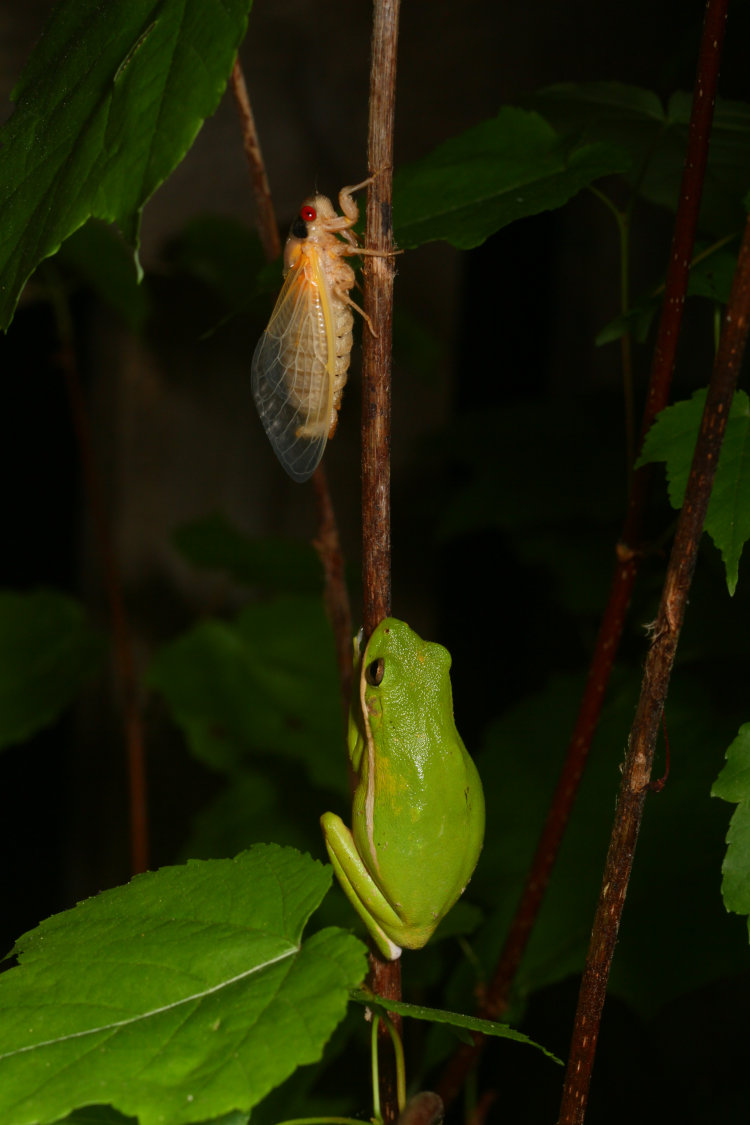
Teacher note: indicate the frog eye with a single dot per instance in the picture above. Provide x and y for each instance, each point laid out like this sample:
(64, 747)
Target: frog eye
(375, 671)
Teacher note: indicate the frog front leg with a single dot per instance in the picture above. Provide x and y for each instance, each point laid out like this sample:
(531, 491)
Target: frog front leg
(359, 886)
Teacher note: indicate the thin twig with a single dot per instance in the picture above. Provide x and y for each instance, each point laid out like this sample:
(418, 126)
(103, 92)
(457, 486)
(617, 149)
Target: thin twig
(385, 976)
(644, 732)
(268, 228)
(121, 632)
(628, 555)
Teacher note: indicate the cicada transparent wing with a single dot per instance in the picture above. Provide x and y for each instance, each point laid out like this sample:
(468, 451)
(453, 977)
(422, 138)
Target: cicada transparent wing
(292, 372)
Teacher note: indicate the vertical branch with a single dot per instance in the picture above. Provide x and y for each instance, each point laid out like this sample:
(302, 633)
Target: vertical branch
(644, 732)
(628, 551)
(121, 634)
(385, 976)
(378, 298)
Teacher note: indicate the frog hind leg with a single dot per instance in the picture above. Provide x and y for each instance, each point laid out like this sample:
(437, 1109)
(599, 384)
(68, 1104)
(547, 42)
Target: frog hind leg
(358, 885)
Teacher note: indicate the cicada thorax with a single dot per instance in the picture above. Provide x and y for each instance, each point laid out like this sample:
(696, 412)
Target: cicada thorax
(301, 363)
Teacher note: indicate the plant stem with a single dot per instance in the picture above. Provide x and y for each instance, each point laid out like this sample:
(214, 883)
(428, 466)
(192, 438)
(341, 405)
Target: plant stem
(268, 228)
(121, 633)
(627, 554)
(378, 301)
(385, 976)
(644, 732)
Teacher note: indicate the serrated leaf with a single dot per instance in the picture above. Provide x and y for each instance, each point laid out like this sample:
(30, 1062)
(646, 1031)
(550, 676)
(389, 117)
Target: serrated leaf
(109, 103)
(454, 1019)
(284, 565)
(194, 979)
(672, 439)
(733, 784)
(264, 684)
(504, 169)
(48, 650)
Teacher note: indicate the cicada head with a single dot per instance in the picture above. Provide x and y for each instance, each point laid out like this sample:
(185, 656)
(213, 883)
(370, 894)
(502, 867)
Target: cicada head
(311, 225)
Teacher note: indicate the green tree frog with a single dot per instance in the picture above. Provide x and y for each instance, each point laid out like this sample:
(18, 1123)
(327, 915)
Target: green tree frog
(418, 808)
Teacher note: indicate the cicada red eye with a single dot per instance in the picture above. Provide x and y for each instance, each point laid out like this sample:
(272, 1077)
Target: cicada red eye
(309, 214)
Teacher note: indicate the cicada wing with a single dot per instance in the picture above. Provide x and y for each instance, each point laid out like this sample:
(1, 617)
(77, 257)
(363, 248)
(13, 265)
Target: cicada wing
(292, 380)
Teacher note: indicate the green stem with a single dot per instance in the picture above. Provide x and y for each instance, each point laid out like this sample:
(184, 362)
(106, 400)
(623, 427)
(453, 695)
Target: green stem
(398, 1051)
(376, 1112)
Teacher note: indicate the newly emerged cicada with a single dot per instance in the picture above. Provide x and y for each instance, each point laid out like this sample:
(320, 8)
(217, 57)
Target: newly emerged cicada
(301, 361)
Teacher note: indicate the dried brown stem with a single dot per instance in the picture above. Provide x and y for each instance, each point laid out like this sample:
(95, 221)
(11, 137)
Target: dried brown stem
(657, 671)
(121, 633)
(628, 552)
(385, 976)
(268, 228)
(378, 300)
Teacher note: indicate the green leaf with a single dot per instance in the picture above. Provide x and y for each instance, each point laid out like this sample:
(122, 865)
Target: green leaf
(264, 684)
(672, 439)
(97, 255)
(185, 995)
(285, 565)
(109, 103)
(455, 1019)
(733, 784)
(504, 169)
(48, 649)
(656, 139)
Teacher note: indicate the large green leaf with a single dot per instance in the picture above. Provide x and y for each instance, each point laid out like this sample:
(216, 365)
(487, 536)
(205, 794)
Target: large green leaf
(733, 784)
(504, 169)
(187, 994)
(264, 684)
(48, 649)
(672, 439)
(109, 103)
(656, 139)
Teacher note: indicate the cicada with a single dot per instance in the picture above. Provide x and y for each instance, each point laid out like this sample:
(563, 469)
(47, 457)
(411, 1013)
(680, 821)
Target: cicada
(301, 361)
